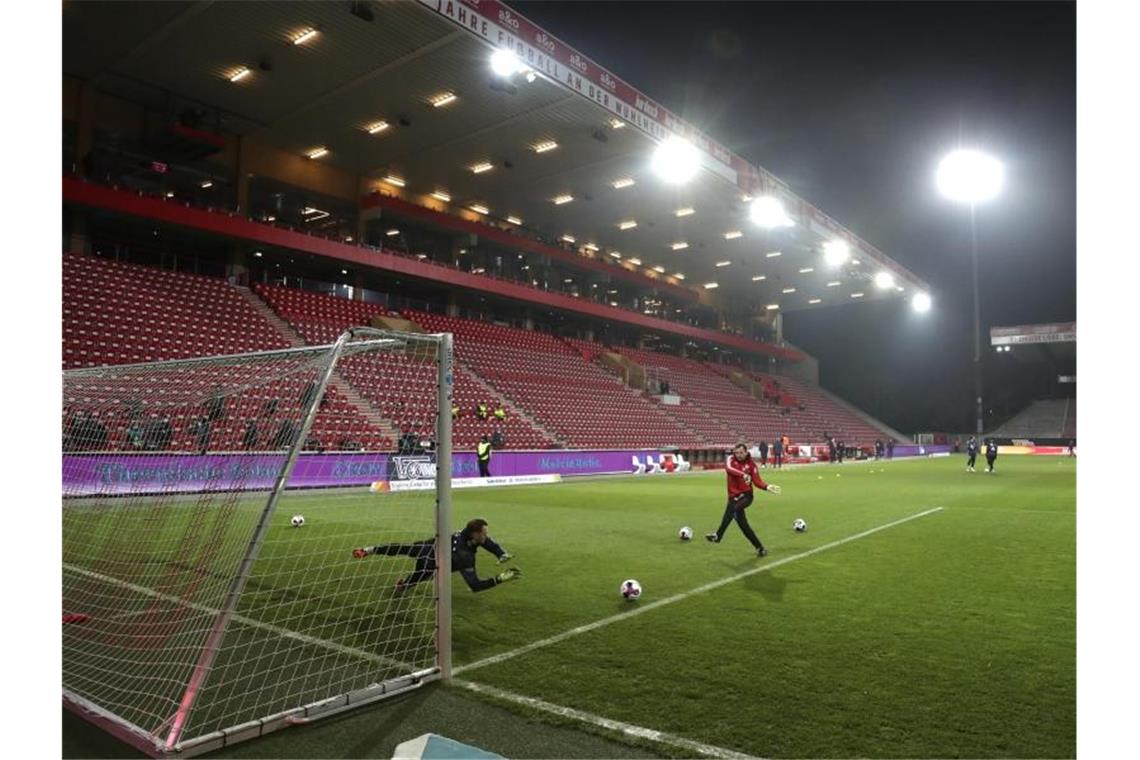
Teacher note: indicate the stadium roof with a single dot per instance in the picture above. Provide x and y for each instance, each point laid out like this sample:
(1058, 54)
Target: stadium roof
(371, 88)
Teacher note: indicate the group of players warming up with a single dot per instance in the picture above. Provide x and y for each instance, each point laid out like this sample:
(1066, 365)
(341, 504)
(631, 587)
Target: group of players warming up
(740, 469)
(972, 454)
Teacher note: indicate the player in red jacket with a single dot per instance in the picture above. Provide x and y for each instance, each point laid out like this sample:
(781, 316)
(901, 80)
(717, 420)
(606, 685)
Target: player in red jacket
(742, 474)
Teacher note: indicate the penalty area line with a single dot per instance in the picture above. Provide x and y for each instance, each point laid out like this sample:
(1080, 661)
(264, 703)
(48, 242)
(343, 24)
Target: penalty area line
(627, 729)
(559, 638)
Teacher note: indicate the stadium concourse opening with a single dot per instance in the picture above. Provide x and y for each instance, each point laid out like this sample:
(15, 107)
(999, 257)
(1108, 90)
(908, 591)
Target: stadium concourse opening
(256, 180)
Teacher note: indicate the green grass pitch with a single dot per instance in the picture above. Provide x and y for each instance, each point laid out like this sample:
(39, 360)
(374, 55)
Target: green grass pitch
(949, 635)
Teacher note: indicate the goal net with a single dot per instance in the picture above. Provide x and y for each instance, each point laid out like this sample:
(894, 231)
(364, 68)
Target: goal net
(210, 511)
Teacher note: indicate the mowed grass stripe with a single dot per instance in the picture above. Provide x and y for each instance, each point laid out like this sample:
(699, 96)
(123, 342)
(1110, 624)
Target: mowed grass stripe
(241, 619)
(642, 609)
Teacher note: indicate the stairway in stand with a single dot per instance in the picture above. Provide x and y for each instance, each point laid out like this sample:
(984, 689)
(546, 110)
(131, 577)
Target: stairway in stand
(337, 381)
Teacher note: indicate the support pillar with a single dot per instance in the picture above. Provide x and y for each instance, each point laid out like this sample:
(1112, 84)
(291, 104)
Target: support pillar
(241, 178)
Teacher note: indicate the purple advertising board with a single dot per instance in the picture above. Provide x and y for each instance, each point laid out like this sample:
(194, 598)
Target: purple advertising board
(920, 450)
(116, 473)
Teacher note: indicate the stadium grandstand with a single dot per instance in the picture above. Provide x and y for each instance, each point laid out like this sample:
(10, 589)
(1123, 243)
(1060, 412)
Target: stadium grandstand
(1039, 362)
(302, 191)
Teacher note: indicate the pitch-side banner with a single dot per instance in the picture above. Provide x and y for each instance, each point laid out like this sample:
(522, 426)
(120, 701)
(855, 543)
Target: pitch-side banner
(116, 474)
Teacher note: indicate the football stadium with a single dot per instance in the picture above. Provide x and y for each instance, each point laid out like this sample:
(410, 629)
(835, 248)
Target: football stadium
(345, 284)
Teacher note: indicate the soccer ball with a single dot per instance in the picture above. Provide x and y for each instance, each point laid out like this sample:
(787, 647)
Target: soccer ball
(630, 590)
(799, 525)
(685, 533)
(297, 521)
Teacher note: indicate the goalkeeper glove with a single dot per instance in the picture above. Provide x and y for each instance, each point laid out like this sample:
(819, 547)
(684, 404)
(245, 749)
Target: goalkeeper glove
(773, 489)
(506, 557)
(509, 575)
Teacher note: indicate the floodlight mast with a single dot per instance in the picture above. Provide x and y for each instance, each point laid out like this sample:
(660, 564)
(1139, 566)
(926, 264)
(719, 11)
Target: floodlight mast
(972, 177)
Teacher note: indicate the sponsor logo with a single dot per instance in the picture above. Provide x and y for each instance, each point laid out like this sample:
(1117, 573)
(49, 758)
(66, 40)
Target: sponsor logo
(577, 62)
(544, 42)
(645, 106)
(608, 82)
(1023, 442)
(414, 468)
(509, 19)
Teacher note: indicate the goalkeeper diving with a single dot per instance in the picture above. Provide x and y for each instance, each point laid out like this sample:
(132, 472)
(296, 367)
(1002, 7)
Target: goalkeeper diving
(464, 543)
(742, 474)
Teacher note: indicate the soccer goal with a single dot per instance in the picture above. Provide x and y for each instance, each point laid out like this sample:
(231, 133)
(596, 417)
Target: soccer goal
(210, 509)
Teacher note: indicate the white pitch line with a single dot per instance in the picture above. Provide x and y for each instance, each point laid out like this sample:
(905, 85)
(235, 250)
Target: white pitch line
(558, 638)
(283, 632)
(629, 729)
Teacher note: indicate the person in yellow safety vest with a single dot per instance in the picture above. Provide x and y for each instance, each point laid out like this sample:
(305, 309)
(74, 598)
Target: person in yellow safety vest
(454, 412)
(483, 454)
(481, 411)
(500, 413)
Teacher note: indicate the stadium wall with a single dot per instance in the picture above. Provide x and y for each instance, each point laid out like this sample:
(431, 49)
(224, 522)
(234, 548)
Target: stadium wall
(117, 473)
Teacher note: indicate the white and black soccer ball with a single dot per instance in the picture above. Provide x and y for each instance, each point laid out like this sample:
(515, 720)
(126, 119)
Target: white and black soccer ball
(297, 521)
(630, 590)
(685, 533)
(799, 526)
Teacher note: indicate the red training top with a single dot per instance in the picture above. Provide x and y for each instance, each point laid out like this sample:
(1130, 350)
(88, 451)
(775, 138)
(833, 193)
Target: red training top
(743, 475)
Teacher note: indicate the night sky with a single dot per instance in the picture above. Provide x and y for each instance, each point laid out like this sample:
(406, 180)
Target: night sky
(853, 104)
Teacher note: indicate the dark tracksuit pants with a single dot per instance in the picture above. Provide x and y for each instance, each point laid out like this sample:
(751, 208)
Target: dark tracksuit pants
(734, 510)
(990, 461)
(485, 468)
(423, 552)
(970, 459)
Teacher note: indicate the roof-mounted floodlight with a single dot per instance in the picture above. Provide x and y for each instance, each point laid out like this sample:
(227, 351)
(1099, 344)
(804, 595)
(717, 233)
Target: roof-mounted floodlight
(768, 211)
(505, 63)
(836, 252)
(676, 160)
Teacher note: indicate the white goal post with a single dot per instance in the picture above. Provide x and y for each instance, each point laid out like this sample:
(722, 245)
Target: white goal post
(210, 511)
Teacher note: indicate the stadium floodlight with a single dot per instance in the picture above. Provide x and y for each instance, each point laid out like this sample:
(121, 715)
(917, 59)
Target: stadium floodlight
(970, 176)
(920, 303)
(835, 252)
(768, 211)
(676, 160)
(505, 63)
(884, 280)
